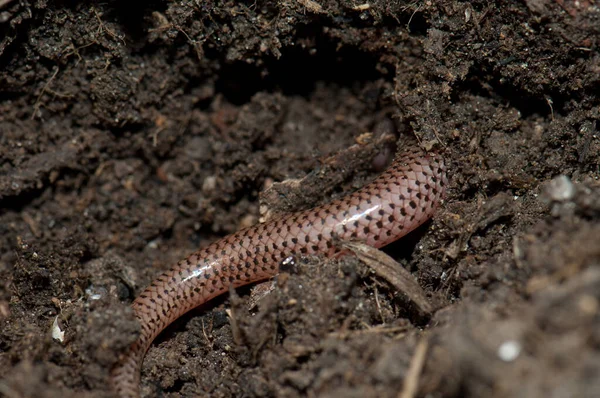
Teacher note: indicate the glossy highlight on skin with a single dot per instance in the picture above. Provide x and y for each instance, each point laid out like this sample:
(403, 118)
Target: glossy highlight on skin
(403, 197)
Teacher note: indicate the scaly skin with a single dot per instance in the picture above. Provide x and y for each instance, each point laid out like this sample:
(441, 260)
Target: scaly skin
(398, 201)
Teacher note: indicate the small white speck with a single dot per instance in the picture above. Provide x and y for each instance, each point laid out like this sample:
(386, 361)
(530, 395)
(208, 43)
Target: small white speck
(509, 350)
(57, 333)
(561, 189)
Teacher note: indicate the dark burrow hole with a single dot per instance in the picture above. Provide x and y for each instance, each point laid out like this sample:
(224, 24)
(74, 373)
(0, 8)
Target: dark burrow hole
(312, 60)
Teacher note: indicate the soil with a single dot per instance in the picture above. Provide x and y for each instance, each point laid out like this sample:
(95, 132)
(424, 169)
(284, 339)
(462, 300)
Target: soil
(133, 133)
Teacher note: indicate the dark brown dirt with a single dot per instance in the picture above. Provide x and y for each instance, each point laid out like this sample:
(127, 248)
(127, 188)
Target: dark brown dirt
(132, 133)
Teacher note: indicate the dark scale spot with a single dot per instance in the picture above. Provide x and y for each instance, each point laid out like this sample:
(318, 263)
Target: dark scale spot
(329, 244)
(215, 256)
(144, 296)
(369, 201)
(272, 266)
(357, 207)
(315, 248)
(391, 219)
(159, 296)
(173, 279)
(409, 190)
(241, 256)
(392, 206)
(264, 269)
(238, 277)
(381, 212)
(322, 221)
(412, 204)
(223, 252)
(207, 276)
(419, 196)
(166, 292)
(427, 187)
(214, 282)
(368, 217)
(269, 234)
(248, 253)
(388, 189)
(378, 196)
(356, 224)
(434, 179)
(403, 211)
(434, 191)
(388, 232)
(197, 289)
(426, 198)
(344, 228)
(152, 301)
(345, 213)
(327, 210)
(366, 230)
(300, 225)
(275, 247)
(284, 243)
(278, 230)
(379, 224)
(353, 234)
(319, 237)
(303, 250)
(376, 237)
(412, 218)
(164, 312)
(247, 275)
(442, 183)
(335, 217)
(231, 279)
(306, 238)
(265, 260)
(417, 182)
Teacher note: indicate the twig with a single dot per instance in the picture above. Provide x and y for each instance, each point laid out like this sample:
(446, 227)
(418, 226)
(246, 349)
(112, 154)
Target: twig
(36, 106)
(411, 382)
(390, 270)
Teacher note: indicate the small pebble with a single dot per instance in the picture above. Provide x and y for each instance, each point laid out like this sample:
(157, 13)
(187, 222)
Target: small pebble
(560, 189)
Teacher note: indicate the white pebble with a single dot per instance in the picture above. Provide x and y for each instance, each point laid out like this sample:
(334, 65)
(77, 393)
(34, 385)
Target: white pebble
(561, 189)
(509, 350)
